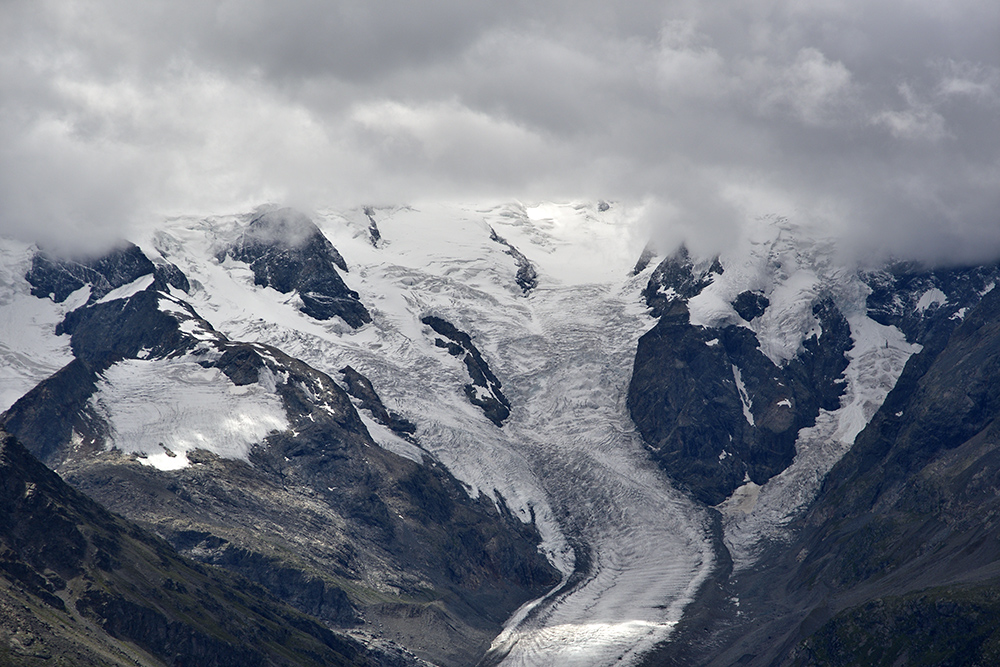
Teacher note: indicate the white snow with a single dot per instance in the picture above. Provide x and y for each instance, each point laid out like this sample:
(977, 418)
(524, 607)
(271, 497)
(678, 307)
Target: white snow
(125, 291)
(386, 438)
(754, 514)
(30, 351)
(792, 266)
(932, 297)
(176, 405)
(744, 397)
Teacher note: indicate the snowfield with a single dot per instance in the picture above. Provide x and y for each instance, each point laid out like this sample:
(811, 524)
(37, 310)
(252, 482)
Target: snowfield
(161, 409)
(30, 351)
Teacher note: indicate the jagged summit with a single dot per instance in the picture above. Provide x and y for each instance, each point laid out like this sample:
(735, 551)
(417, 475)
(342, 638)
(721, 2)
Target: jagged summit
(288, 252)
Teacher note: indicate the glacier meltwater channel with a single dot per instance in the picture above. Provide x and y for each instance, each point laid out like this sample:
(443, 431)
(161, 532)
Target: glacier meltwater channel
(632, 549)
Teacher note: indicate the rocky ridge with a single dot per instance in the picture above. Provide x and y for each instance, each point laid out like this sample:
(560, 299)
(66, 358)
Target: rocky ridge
(286, 251)
(485, 389)
(895, 561)
(94, 589)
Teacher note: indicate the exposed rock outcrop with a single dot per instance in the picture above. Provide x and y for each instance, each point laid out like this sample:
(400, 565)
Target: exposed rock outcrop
(361, 388)
(527, 277)
(485, 389)
(287, 251)
(57, 278)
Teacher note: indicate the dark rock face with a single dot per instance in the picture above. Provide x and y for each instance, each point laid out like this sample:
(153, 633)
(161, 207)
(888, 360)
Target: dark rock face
(896, 560)
(527, 277)
(168, 275)
(926, 304)
(713, 409)
(750, 305)
(59, 548)
(361, 388)
(484, 391)
(645, 258)
(107, 332)
(373, 232)
(57, 278)
(676, 279)
(287, 251)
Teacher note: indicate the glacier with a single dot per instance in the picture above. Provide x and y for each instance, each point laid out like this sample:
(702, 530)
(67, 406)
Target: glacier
(632, 549)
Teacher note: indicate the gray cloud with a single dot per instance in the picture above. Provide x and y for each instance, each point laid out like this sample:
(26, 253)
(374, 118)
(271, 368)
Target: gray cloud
(877, 119)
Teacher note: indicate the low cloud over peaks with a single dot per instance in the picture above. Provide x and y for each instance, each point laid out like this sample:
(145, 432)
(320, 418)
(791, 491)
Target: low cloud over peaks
(879, 118)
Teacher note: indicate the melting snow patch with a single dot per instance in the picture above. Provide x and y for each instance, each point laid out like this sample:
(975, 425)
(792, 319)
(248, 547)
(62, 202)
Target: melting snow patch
(785, 403)
(744, 397)
(173, 306)
(165, 460)
(930, 298)
(195, 329)
(125, 291)
(176, 405)
(712, 343)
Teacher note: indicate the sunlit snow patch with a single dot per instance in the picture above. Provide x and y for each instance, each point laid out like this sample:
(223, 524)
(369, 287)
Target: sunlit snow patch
(160, 406)
(125, 291)
(932, 297)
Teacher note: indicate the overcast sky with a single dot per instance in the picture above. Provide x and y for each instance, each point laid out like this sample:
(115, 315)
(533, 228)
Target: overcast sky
(880, 119)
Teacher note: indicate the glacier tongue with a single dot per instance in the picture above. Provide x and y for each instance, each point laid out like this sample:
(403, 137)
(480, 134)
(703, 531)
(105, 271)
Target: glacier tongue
(642, 547)
(632, 549)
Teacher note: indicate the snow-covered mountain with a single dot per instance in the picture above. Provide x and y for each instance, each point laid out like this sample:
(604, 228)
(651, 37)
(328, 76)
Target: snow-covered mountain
(388, 416)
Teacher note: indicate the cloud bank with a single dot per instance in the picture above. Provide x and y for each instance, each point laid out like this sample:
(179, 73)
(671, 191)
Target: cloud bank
(878, 120)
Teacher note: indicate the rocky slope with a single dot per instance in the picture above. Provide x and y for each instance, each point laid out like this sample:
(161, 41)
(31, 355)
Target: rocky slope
(896, 561)
(94, 589)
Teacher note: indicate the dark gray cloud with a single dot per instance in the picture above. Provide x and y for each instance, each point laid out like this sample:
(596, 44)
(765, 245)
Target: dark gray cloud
(876, 119)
